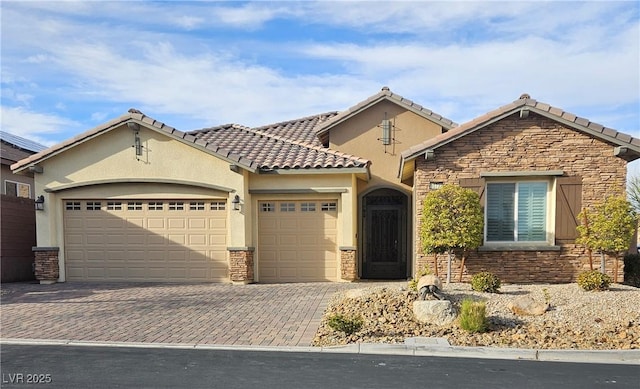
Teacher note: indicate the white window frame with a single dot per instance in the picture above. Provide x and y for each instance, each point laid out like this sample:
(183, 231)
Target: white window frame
(17, 184)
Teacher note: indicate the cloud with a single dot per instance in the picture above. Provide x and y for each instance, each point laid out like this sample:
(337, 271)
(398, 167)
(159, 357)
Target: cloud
(34, 125)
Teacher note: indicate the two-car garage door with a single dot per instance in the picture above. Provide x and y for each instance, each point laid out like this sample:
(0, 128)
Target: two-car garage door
(146, 240)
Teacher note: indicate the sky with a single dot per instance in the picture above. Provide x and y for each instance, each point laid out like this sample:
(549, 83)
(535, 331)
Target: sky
(68, 66)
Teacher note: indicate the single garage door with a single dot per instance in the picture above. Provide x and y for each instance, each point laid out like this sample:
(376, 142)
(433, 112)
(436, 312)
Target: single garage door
(297, 241)
(146, 240)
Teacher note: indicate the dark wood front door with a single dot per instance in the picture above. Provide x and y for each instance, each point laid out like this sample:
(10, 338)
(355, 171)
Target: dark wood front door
(385, 243)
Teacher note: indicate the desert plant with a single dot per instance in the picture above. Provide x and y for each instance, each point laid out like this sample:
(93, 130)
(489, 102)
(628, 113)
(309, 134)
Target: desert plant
(413, 284)
(632, 270)
(593, 280)
(473, 316)
(485, 282)
(348, 325)
(452, 218)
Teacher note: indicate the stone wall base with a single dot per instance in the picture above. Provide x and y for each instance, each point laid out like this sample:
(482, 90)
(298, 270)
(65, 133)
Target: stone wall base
(241, 265)
(348, 264)
(47, 268)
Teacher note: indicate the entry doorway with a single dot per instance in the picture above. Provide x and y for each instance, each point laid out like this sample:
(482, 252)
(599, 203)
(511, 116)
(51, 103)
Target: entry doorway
(384, 229)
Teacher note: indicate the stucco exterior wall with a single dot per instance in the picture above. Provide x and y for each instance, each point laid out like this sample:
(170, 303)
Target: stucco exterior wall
(532, 144)
(168, 167)
(360, 135)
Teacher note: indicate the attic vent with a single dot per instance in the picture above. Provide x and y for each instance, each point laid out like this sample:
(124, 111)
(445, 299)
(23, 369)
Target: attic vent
(524, 96)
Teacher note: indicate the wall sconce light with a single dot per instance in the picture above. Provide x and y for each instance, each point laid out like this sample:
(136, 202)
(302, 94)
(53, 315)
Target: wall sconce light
(40, 203)
(135, 127)
(236, 203)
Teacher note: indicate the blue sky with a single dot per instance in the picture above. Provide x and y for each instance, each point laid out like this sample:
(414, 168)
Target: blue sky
(68, 66)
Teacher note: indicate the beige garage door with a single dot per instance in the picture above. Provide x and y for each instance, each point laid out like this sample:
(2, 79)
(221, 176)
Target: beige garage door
(297, 241)
(154, 240)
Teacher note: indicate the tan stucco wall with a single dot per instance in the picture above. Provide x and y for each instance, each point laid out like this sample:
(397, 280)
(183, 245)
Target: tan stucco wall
(111, 156)
(360, 136)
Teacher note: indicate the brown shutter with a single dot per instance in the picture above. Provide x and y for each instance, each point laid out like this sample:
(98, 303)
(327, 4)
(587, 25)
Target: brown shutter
(568, 206)
(476, 184)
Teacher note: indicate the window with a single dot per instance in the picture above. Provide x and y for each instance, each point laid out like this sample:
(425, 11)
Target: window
(155, 206)
(287, 207)
(134, 206)
(330, 206)
(94, 205)
(267, 207)
(72, 206)
(176, 206)
(17, 189)
(218, 205)
(516, 212)
(308, 207)
(196, 206)
(114, 205)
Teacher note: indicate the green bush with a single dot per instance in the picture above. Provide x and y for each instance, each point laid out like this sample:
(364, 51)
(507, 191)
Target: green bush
(485, 282)
(632, 270)
(348, 325)
(413, 284)
(593, 280)
(473, 316)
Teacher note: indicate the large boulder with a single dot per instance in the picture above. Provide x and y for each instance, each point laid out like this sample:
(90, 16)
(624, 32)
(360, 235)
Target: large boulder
(438, 312)
(527, 306)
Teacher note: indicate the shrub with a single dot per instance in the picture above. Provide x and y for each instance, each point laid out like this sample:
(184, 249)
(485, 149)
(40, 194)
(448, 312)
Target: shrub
(473, 316)
(632, 270)
(485, 282)
(348, 325)
(413, 284)
(593, 280)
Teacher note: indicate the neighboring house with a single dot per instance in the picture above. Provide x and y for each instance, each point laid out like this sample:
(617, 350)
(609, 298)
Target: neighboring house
(17, 215)
(313, 199)
(535, 168)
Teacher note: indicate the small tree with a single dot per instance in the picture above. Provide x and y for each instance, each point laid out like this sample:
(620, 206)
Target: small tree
(452, 218)
(611, 226)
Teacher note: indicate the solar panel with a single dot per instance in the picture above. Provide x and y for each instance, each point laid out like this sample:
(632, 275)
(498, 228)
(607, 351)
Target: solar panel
(21, 142)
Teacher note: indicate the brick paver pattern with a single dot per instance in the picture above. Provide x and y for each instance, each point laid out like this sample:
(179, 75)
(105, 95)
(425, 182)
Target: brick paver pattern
(212, 314)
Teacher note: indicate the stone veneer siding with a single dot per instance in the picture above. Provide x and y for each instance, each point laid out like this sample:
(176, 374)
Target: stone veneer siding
(47, 267)
(241, 265)
(532, 144)
(348, 267)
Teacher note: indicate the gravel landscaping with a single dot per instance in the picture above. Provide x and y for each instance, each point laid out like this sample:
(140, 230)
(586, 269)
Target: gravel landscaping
(576, 319)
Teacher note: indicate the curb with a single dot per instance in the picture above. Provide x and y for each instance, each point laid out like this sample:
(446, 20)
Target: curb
(419, 347)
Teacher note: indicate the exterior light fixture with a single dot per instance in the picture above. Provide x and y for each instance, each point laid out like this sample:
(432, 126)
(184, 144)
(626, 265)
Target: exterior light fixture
(386, 131)
(236, 203)
(135, 127)
(40, 203)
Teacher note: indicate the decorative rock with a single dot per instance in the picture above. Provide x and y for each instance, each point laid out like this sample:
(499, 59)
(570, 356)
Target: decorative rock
(433, 312)
(527, 306)
(432, 285)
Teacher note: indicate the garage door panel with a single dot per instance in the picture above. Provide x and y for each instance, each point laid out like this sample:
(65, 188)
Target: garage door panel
(156, 223)
(298, 245)
(176, 223)
(197, 239)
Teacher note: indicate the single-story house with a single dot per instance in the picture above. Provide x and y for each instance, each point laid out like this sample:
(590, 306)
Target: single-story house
(330, 197)
(17, 214)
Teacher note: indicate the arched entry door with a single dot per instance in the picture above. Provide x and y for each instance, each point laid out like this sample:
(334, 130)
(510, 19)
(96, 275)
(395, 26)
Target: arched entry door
(384, 229)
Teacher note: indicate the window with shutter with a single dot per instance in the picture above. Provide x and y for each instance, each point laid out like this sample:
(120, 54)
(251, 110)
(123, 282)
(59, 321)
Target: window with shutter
(516, 211)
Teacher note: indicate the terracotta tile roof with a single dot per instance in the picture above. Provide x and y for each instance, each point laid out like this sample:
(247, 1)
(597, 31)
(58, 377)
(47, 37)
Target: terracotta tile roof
(526, 103)
(303, 129)
(132, 115)
(384, 94)
(259, 149)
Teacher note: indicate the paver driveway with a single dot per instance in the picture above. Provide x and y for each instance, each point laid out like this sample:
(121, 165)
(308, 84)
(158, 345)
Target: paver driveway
(260, 314)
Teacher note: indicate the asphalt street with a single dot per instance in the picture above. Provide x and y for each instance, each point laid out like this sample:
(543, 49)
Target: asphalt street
(61, 366)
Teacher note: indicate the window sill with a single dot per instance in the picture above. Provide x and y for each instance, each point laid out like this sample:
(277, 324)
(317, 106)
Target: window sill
(514, 247)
